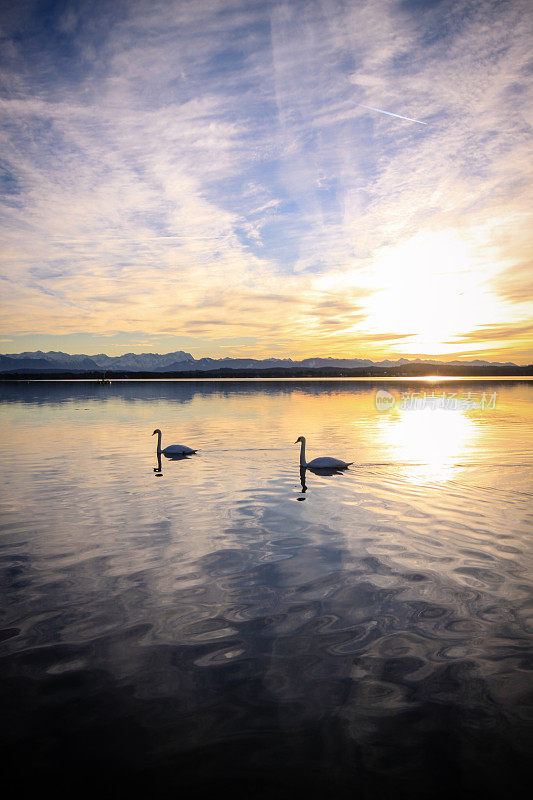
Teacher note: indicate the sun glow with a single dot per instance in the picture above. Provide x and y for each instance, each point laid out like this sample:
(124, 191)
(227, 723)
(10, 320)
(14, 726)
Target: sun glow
(432, 288)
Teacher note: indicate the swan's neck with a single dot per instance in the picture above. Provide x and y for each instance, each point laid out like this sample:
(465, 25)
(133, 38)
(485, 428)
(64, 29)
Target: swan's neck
(302, 454)
(159, 442)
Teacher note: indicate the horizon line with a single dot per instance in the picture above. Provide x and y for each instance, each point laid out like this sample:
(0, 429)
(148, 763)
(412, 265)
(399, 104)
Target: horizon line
(392, 359)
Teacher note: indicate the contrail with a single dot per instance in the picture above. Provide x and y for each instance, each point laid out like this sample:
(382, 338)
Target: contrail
(371, 108)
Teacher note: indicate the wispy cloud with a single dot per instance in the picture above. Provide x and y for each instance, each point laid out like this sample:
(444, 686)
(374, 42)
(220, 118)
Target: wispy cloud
(208, 171)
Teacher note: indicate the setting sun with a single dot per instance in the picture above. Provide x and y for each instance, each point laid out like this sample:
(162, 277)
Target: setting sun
(432, 288)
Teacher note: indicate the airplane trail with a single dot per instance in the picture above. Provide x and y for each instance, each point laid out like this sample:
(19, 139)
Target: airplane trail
(371, 108)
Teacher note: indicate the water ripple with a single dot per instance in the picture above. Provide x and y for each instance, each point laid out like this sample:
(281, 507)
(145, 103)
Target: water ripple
(377, 627)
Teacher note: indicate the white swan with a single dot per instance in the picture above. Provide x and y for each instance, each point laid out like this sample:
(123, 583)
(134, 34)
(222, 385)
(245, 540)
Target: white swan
(324, 462)
(172, 449)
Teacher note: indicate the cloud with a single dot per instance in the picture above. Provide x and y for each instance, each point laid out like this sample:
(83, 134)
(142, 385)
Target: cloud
(166, 159)
(494, 332)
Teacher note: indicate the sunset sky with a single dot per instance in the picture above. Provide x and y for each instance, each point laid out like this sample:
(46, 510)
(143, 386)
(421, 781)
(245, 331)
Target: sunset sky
(202, 175)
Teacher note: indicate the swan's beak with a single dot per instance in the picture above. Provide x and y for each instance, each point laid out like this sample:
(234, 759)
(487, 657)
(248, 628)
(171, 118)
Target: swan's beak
(153, 434)
(296, 442)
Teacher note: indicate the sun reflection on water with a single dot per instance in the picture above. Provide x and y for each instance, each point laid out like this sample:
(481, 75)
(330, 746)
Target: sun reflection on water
(431, 444)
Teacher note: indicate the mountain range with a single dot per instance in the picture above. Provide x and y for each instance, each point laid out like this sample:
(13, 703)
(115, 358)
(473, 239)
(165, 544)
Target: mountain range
(179, 361)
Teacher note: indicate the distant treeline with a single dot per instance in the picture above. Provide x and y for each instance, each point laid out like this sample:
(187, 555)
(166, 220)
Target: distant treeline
(417, 370)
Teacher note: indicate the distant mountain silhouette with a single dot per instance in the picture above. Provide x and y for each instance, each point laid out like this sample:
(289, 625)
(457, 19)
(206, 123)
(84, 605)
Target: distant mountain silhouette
(15, 363)
(182, 362)
(53, 360)
(141, 361)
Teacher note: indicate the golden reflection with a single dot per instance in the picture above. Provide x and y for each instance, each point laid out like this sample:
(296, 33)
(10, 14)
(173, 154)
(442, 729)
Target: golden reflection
(430, 444)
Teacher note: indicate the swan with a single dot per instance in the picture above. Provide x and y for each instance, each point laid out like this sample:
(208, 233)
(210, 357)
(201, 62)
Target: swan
(172, 449)
(324, 462)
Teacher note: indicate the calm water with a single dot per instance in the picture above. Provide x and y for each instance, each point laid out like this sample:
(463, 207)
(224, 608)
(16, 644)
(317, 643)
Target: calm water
(226, 622)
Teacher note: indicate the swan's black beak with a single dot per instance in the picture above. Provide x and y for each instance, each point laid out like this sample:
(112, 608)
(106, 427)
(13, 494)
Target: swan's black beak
(153, 434)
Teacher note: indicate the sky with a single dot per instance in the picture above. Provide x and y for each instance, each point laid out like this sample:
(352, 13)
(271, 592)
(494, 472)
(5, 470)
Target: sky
(211, 176)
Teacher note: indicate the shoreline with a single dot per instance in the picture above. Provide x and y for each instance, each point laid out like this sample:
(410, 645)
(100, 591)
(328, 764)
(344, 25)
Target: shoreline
(419, 372)
(430, 379)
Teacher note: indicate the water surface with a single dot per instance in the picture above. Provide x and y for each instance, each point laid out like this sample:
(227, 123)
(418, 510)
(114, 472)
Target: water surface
(224, 621)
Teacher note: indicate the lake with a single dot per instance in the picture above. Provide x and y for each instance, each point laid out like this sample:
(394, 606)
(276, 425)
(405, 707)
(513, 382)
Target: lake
(225, 621)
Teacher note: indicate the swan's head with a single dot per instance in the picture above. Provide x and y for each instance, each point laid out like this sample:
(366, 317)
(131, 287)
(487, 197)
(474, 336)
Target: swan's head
(300, 439)
(156, 431)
